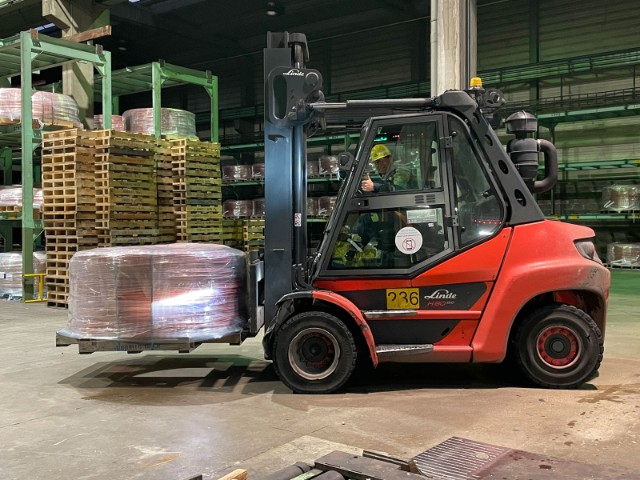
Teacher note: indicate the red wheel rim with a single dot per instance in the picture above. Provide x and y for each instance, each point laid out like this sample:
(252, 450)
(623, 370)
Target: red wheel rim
(558, 347)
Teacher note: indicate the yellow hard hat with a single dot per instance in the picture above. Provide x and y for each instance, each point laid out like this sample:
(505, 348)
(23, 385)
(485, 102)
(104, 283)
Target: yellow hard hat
(379, 151)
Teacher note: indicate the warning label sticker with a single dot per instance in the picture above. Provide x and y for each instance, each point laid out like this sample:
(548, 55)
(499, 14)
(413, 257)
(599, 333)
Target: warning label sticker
(408, 240)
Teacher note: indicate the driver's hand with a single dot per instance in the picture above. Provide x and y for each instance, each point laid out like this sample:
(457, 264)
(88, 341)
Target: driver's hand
(367, 185)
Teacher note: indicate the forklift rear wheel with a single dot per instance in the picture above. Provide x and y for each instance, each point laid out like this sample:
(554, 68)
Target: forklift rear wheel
(314, 352)
(559, 346)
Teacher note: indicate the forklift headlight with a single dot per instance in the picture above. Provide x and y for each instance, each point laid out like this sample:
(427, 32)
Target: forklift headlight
(588, 250)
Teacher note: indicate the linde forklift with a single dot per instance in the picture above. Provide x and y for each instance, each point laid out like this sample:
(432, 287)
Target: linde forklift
(452, 262)
(458, 266)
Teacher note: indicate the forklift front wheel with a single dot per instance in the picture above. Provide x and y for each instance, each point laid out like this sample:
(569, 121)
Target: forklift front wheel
(314, 352)
(559, 346)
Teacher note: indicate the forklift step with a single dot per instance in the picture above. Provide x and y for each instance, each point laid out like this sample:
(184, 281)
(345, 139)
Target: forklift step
(394, 350)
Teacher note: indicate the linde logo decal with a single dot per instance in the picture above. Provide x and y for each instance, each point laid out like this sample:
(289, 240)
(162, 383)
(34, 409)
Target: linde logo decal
(440, 298)
(441, 294)
(294, 71)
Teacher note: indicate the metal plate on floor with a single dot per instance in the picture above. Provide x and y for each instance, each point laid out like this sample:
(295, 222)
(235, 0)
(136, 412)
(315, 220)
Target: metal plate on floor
(462, 459)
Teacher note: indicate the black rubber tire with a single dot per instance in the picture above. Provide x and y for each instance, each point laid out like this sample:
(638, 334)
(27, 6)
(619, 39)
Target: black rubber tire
(314, 352)
(559, 346)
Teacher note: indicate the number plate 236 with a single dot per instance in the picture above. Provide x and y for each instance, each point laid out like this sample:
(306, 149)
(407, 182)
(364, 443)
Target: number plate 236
(403, 298)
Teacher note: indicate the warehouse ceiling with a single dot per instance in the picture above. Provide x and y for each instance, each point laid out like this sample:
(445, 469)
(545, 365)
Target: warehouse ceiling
(196, 33)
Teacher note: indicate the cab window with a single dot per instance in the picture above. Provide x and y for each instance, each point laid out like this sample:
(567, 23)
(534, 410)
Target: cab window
(404, 225)
(404, 157)
(479, 211)
(390, 238)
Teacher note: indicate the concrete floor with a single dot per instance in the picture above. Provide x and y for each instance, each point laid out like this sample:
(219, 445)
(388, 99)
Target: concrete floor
(171, 416)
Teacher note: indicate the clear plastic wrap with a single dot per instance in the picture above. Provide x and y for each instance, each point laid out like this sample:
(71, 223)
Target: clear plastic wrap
(11, 197)
(313, 168)
(620, 198)
(49, 108)
(156, 292)
(173, 121)
(258, 207)
(257, 171)
(236, 173)
(325, 206)
(328, 165)
(237, 208)
(623, 254)
(312, 207)
(117, 123)
(11, 272)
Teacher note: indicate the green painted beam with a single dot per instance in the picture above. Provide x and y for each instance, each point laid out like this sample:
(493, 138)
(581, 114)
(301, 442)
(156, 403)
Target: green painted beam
(6, 165)
(158, 75)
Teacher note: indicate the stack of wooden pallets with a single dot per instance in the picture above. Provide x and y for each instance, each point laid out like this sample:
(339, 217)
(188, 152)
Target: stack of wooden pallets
(253, 234)
(233, 233)
(198, 192)
(106, 188)
(127, 191)
(167, 224)
(92, 148)
(59, 210)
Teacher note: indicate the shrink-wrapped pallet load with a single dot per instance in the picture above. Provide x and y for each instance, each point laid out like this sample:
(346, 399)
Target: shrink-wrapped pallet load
(156, 292)
(237, 208)
(621, 198)
(11, 272)
(49, 108)
(623, 254)
(172, 121)
(236, 173)
(117, 123)
(328, 165)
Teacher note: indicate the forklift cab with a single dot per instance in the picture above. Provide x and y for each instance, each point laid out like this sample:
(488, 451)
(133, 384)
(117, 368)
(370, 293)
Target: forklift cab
(442, 199)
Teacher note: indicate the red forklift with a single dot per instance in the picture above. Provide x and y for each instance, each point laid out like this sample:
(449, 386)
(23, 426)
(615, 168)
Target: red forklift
(456, 265)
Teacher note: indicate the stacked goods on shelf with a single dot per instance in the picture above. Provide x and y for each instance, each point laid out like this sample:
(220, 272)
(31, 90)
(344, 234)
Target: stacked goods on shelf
(258, 207)
(11, 200)
(623, 255)
(237, 208)
(198, 192)
(328, 166)
(167, 224)
(126, 191)
(621, 198)
(253, 234)
(173, 121)
(237, 173)
(313, 207)
(47, 108)
(157, 293)
(325, 205)
(117, 122)
(257, 171)
(313, 168)
(11, 273)
(61, 184)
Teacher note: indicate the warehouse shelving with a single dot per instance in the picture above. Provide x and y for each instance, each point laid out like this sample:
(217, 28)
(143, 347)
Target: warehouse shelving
(154, 77)
(21, 55)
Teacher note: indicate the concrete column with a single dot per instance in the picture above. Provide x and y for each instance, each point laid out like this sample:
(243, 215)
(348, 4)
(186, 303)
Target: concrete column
(453, 44)
(74, 16)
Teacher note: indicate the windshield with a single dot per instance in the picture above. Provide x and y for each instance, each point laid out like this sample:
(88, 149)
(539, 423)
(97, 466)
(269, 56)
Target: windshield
(342, 195)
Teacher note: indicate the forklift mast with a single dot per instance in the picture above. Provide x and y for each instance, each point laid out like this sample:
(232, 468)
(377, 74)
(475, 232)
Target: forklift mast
(290, 88)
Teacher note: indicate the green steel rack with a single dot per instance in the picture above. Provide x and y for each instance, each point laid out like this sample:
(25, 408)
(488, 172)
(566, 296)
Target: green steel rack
(158, 75)
(21, 55)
